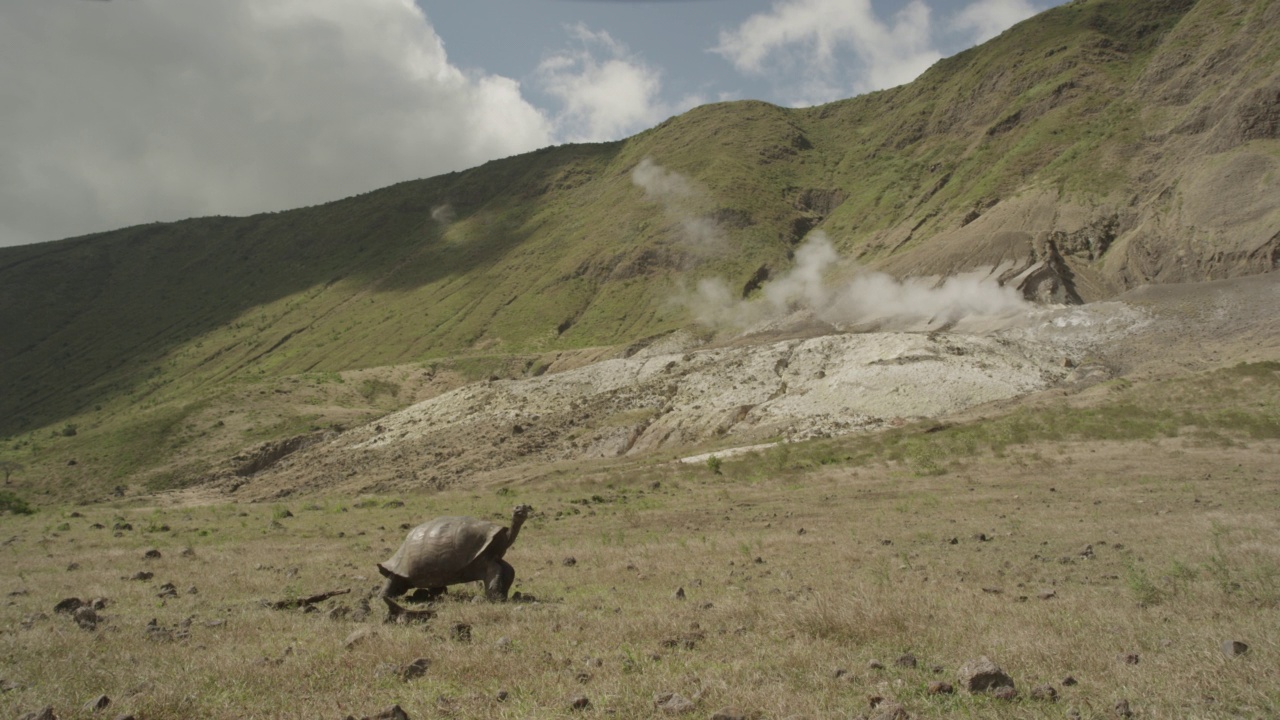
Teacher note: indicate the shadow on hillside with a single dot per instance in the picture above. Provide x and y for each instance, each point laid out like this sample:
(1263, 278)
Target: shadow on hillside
(88, 319)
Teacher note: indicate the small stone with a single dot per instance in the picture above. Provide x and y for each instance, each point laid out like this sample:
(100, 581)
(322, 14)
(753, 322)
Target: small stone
(152, 554)
(839, 673)
(1128, 658)
(1121, 709)
(982, 675)
(1086, 552)
(460, 631)
(188, 552)
(891, 711)
(954, 541)
(415, 669)
(504, 643)
(875, 664)
(1004, 692)
(1047, 595)
(906, 661)
(358, 636)
(1234, 648)
(678, 594)
(68, 606)
(732, 713)
(44, 713)
(143, 575)
(99, 703)
(673, 704)
(72, 567)
(579, 702)
(1045, 693)
(193, 590)
(583, 677)
(569, 561)
(392, 713)
(86, 617)
(938, 687)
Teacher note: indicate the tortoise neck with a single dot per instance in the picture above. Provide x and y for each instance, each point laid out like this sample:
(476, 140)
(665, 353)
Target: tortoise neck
(516, 522)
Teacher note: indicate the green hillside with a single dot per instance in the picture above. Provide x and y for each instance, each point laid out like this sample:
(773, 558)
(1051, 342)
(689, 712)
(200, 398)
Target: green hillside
(125, 351)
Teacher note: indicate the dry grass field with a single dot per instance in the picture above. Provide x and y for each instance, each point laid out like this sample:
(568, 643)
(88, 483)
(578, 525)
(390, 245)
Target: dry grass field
(1122, 564)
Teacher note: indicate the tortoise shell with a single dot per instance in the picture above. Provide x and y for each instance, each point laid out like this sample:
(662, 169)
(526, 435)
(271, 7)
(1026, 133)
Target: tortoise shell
(441, 551)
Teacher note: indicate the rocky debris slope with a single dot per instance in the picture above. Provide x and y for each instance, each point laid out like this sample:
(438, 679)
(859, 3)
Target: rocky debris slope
(674, 395)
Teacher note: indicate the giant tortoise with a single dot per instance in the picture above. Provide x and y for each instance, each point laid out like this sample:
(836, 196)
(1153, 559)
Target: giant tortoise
(452, 550)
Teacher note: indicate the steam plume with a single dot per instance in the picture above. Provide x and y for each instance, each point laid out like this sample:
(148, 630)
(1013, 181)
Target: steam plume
(870, 300)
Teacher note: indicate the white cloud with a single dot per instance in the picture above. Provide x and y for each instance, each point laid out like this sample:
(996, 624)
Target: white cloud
(985, 19)
(128, 112)
(806, 39)
(606, 91)
(821, 50)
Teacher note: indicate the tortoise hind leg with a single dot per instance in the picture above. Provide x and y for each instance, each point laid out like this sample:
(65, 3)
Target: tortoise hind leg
(499, 576)
(395, 586)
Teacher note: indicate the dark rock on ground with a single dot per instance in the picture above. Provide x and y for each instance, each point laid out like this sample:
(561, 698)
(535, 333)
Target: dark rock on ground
(460, 631)
(1070, 681)
(1004, 692)
(937, 687)
(1128, 658)
(99, 703)
(44, 713)
(392, 713)
(68, 605)
(733, 713)
(579, 702)
(1047, 693)
(1234, 648)
(143, 575)
(983, 675)
(890, 711)
(1121, 709)
(906, 661)
(569, 561)
(151, 554)
(415, 669)
(673, 703)
(86, 617)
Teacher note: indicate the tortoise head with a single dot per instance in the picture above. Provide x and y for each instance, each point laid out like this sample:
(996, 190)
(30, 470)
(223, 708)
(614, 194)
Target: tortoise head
(521, 513)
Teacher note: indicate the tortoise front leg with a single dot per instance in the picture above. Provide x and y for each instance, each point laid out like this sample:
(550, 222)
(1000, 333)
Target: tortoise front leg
(498, 577)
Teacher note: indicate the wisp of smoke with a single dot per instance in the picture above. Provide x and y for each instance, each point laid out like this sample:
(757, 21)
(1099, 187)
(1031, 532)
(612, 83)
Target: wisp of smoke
(677, 194)
(443, 214)
(869, 299)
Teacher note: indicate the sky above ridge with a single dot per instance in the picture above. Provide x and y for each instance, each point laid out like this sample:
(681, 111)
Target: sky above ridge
(120, 112)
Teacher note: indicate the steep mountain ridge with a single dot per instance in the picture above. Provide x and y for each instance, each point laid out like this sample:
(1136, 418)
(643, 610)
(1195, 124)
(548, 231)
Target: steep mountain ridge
(1095, 147)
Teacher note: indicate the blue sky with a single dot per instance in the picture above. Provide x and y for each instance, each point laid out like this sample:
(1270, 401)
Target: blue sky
(121, 112)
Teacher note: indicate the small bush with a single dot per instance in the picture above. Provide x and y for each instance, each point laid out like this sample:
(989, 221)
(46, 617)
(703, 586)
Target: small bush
(10, 503)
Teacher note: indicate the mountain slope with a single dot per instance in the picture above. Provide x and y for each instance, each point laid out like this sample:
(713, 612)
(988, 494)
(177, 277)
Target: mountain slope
(1095, 147)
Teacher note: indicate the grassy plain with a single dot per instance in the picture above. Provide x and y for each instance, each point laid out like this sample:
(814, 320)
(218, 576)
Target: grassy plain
(1027, 536)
